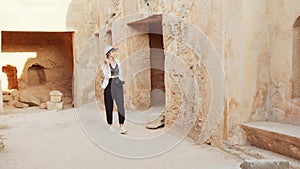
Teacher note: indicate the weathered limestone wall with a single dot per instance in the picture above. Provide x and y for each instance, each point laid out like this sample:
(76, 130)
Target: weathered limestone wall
(252, 41)
(246, 65)
(80, 18)
(211, 27)
(182, 85)
(283, 107)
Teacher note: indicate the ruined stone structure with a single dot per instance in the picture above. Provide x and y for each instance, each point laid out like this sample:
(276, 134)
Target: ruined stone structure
(11, 73)
(219, 64)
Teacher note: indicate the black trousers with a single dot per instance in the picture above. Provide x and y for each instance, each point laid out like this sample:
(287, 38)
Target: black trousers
(114, 92)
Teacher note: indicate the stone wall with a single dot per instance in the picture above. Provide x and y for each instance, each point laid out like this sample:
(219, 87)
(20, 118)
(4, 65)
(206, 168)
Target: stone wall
(237, 55)
(244, 44)
(51, 69)
(283, 106)
(247, 57)
(80, 18)
(180, 97)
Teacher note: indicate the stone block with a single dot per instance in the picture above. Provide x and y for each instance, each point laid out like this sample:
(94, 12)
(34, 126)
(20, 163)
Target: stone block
(28, 98)
(50, 106)
(273, 136)
(43, 106)
(265, 164)
(54, 106)
(59, 106)
(55, 96)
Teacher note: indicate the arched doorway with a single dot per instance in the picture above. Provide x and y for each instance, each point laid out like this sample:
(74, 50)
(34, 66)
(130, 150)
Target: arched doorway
(36, 75)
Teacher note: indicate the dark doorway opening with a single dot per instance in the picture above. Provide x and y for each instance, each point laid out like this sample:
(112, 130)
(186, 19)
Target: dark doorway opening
(157, 62)
(36, 75)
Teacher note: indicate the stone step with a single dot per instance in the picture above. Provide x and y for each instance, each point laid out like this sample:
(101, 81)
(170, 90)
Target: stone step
(276, 137)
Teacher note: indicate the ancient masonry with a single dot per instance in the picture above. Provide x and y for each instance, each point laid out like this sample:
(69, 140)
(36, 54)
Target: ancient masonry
(227, 72)
(55, 102)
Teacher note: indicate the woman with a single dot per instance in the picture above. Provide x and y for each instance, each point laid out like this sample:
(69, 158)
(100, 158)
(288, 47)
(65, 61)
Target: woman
(113, 88)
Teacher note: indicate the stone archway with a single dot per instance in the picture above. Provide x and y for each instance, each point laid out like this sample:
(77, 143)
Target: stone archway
(36, 75)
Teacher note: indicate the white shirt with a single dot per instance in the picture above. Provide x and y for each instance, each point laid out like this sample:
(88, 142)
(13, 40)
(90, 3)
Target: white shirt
(107, 73)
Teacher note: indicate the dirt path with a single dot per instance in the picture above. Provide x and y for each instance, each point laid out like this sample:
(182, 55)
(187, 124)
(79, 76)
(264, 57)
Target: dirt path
(55, 140)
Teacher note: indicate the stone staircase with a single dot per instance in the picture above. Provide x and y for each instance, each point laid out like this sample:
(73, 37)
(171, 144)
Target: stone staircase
(276, 137)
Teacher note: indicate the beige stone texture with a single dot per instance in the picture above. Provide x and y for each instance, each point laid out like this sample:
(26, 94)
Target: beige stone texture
(283, 62)
(29, 98)
(55, 96)
(55, 106)
(43, 106)
(7, 98)
(20, 105)
(265, 164)
(226, 62)
(246, 58)
(276, 137)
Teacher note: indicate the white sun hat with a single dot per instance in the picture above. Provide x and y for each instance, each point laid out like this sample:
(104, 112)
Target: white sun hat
(108, 49)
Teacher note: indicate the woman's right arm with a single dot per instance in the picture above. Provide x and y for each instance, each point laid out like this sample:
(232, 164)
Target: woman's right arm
(106, 70)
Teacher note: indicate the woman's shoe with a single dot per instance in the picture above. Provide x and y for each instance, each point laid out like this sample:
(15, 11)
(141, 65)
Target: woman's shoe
(111, 129)
(123, 130)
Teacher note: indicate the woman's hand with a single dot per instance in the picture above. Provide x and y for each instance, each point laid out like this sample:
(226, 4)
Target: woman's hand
(106, 61)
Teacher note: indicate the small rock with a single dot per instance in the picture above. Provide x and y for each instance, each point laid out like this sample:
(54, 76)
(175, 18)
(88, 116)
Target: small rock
(29, 99)
(50, 106)
(1, 145)
(16, 95)
(12, 103)
(20, 105)
(43, 106)
(265, 164)
(7, 98)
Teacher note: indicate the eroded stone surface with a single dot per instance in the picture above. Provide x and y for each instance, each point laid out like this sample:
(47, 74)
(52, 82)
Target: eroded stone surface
(30, 99)
(264, 164)
(252, 40)
(276, 137)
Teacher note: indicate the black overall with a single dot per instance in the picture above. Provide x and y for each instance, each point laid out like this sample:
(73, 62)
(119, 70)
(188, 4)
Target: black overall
(114, 91)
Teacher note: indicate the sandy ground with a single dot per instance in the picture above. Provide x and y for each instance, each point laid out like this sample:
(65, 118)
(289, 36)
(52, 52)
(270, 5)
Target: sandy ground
(73, 139)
